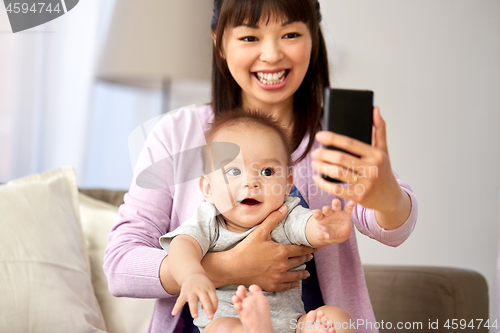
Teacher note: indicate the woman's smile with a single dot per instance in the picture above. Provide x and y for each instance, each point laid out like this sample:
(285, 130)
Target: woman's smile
(272, 80)
(271, 77)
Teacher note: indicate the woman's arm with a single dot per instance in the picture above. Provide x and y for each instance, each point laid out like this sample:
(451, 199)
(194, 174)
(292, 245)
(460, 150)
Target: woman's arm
(133, 254)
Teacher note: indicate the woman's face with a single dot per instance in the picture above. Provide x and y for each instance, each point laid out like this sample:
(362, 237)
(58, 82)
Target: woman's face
(268, 61)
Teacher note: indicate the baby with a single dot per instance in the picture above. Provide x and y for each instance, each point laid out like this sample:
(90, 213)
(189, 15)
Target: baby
(239, 195)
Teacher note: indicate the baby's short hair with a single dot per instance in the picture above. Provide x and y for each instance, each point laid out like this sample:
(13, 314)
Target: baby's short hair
(249, 117)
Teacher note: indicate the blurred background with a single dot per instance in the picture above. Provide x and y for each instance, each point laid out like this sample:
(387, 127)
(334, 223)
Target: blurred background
(74, 89)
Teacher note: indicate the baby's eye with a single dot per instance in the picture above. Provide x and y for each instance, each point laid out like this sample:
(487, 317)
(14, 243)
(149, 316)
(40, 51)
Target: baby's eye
(234, 172)
(268, 172)
(291, 35)
(249, 39)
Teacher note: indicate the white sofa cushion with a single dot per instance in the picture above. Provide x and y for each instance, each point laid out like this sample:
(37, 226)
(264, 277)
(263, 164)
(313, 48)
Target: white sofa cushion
(122, 315)
(45, 283)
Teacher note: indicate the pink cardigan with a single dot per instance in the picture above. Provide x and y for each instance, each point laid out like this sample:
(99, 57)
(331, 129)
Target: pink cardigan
(133, 255)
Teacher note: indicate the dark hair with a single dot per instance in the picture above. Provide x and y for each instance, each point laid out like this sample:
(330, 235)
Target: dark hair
(308, 99)
(255, 118)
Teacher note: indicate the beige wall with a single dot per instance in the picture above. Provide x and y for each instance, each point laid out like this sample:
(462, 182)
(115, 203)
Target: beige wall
(435, 69)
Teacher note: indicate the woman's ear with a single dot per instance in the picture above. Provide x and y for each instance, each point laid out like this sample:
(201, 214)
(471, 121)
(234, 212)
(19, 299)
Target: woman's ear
(289, 183)
(206, 189)
(214, 37)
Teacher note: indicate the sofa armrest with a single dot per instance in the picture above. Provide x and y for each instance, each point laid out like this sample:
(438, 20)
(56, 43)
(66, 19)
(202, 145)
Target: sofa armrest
(426, 294)
(112, 197)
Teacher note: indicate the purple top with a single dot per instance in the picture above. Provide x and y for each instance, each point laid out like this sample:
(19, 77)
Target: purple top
(133, 256)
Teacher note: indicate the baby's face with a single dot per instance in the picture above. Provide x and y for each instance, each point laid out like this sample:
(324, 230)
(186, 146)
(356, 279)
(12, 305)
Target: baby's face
(257, 180)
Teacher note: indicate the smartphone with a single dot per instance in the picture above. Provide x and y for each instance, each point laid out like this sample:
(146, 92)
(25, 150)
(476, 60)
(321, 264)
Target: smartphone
(350, 113)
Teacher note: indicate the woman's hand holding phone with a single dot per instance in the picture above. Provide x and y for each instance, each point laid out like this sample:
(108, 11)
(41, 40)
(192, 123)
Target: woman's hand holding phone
(368, 179)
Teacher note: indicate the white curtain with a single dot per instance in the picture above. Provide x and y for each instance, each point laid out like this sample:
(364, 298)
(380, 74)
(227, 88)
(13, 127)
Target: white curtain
(46, 82)
(54, 112)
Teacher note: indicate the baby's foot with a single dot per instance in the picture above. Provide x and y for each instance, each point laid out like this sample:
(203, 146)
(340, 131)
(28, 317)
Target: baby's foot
(316, 322)
(253, 309)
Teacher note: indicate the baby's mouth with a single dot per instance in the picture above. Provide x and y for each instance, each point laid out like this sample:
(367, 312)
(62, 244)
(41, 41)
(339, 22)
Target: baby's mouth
(271, 78)
(250, 202)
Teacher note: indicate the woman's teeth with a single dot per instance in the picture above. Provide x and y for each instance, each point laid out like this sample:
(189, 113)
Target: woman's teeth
(271, 78)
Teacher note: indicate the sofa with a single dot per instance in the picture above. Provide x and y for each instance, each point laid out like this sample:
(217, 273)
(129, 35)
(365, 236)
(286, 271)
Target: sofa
(53, 240)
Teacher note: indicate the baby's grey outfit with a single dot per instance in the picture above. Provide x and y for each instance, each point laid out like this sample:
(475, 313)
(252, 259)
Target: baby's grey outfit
(209, 229)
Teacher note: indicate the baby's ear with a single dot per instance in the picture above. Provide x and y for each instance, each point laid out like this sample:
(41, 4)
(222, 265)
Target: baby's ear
(289, 183)
(206, 189)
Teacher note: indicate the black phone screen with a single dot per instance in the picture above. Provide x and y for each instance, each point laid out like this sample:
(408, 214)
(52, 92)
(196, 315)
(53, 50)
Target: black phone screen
(350, 113)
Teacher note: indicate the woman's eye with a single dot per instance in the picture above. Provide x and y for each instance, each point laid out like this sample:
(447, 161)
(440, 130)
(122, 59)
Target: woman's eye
(234, 172)
(291, 35)
(249, 39)
(268, 172)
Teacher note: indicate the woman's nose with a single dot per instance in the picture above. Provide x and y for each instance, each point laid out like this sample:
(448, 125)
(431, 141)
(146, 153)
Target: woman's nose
(271, 52)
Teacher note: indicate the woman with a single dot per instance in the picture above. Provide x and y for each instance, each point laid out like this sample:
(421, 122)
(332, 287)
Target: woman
(268, 55)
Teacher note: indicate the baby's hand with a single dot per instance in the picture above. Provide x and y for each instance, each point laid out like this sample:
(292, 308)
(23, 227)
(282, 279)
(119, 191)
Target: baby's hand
(197, 287)
(334, 224)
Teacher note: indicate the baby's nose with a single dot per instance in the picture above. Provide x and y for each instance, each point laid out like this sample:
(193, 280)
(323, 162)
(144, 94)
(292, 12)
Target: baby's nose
(253, 183)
